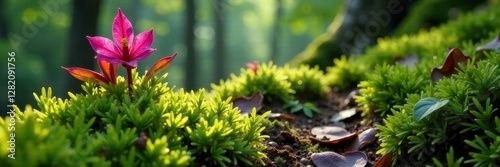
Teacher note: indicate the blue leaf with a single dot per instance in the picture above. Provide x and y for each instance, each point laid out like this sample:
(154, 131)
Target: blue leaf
(426, 106)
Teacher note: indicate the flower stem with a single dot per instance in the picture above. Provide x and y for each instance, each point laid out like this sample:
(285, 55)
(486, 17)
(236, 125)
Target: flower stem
(129, 78)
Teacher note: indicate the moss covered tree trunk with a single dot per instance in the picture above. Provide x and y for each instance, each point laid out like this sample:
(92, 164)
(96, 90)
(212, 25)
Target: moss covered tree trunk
(351, 32)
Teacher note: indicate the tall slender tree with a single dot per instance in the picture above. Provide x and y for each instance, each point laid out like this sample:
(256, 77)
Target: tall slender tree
(3, 20)
(80, 54)
(276, 31)
(219, 41)
(191, 66)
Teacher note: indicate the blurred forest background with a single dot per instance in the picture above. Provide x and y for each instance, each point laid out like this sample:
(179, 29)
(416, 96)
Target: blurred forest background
(213, 38)
(226, 35)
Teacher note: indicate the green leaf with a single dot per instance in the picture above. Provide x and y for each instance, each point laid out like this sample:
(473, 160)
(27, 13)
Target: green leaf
(296, 108)
(426, 106)
(497, 49)
(308, 112)
(311, 106)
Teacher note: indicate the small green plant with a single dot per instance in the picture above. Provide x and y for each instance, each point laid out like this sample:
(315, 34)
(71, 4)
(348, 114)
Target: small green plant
(265, 77)
(307, 108)
(450, 160)
(277, 84)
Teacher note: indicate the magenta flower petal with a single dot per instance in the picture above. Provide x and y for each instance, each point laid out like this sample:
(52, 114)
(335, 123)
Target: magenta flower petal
(104, 47)
(122, 29)
(129, 64)
(144, 54)
(141, 43)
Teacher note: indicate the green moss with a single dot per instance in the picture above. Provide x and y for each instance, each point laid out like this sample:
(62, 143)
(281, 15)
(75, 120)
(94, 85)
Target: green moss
(469, 118)
(102, 127)
(278, 84)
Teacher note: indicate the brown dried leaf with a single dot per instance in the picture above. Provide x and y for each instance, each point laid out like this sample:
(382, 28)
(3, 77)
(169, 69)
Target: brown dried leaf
(332, 159)
(246, 104)
(333, 133)
(281, 116)
(385, 161)
(450, 66)
(364, 138)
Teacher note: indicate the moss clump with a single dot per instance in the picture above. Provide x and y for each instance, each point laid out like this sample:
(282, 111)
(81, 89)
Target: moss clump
(151, 126)
(278, 84)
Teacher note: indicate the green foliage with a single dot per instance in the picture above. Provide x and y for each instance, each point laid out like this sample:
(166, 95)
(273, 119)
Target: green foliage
(475, 85)
(398, 89)
(450, 160)
(102, 127)
(295, 106)
(345, 73)
(427, 45)
(307, 82)
(276, 83)
(388, 86)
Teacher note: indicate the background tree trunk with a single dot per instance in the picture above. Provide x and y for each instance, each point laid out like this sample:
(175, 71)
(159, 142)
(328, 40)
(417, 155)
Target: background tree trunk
(191, 66)
(350, 33)
(220, 62)
(80, 54)
(276, 31)
(3, 21)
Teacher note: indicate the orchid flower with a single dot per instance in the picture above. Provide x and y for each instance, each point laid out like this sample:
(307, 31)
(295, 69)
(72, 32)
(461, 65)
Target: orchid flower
(125, 49)
(109, 72)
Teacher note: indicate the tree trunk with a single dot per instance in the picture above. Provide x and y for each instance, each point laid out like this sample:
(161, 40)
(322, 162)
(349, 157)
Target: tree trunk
(191, 66)
(219, 42)
(3, 21)
(276, 31)
(362, 23)
(80, 54)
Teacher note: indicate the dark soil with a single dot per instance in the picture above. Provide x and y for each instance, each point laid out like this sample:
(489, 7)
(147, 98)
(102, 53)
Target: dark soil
(291, 147)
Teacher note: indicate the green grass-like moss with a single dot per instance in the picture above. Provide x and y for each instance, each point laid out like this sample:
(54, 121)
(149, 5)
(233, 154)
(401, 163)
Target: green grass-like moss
(103, 126)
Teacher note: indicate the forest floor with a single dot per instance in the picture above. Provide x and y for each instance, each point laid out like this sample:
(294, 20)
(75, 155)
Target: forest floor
(292, 147)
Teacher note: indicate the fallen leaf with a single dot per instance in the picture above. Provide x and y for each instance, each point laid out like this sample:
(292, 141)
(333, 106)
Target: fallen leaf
(282, 116)
(246, 104)
(333, 133)
(344, 114)
(333, 159)
(450, 65)
(490, 46)
(426, 106)
(409, 60)
(364, 138)
(384, 161)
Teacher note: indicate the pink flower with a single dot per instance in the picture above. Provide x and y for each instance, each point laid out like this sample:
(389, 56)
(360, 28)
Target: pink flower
(125, 49)
(109, 72)
(253, 66)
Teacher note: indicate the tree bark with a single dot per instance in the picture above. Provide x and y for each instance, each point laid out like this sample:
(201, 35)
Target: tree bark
(3, 21)
(191, 66)
(80, 54)
(276, 31)
(350, 33)
(219, 42)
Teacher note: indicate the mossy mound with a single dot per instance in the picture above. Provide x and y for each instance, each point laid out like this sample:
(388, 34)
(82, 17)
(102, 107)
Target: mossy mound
(151, 126)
